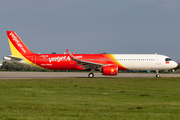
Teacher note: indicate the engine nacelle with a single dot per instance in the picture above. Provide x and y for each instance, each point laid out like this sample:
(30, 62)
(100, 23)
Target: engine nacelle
(110, 70)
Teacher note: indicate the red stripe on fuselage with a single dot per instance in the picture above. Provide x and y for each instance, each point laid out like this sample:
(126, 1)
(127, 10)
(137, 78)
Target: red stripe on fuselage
(64, 62)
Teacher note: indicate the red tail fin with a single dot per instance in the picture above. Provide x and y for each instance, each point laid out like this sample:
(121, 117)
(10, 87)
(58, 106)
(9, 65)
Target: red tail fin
(16, 45)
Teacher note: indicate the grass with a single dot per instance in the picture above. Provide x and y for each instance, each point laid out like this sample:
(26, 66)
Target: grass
(86, 99)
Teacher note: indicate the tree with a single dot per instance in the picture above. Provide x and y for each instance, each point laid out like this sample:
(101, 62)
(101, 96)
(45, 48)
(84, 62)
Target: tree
(10, 66)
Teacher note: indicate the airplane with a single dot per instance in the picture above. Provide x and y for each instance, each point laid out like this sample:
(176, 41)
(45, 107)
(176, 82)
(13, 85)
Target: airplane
(107, 64)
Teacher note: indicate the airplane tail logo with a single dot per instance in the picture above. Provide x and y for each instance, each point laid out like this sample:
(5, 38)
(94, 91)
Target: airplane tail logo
(18, 48)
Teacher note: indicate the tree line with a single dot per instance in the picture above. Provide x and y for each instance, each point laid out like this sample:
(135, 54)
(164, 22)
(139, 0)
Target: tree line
(10, 66)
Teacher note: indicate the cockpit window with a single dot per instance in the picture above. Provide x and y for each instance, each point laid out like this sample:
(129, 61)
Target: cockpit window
(168, 59)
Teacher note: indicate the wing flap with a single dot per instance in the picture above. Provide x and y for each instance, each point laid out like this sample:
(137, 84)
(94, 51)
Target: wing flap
(85, 64)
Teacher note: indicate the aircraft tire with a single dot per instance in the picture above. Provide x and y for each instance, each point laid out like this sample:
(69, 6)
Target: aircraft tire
(157, 75)
(91, 75)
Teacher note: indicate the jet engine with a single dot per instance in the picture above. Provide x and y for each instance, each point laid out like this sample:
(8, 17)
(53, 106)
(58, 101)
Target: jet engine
(110, 70)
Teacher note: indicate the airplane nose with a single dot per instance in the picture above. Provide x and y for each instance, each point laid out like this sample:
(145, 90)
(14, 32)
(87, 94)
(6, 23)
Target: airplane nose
(174, 64)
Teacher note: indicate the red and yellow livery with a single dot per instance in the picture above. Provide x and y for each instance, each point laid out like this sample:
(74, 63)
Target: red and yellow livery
(108, 64)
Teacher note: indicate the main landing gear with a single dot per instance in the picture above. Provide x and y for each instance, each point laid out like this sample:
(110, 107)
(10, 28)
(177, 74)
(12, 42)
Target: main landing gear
(157, 74)
(91, 74)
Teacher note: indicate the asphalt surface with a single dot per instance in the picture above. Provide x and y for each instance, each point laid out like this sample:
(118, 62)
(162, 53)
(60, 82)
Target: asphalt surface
(22, 75)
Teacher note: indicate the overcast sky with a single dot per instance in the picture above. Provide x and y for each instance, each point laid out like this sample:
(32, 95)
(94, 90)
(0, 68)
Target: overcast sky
(93, 26)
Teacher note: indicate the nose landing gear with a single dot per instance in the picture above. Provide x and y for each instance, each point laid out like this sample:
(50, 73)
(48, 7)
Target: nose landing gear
(157, 74)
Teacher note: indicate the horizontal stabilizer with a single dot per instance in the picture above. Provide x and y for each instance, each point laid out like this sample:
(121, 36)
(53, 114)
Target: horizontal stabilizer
(12, 58)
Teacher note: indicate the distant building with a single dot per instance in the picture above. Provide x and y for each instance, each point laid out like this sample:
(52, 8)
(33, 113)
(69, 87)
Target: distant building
(1, 63)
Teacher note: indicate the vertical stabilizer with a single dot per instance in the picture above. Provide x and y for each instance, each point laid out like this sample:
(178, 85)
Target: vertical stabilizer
(18, 48)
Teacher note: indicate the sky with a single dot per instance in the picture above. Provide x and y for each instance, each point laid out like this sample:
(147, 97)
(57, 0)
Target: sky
(93, 26)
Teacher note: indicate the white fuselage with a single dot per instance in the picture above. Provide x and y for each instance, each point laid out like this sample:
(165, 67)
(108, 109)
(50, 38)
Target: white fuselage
(145, 61)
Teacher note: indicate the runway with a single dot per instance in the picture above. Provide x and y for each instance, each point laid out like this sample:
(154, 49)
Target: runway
(26, 75)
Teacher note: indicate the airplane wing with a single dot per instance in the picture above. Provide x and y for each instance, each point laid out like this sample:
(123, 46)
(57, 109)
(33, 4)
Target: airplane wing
(12, 58)
(85, 64)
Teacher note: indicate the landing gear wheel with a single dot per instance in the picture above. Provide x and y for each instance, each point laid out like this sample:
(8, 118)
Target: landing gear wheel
(157, 75)
(91, 75)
